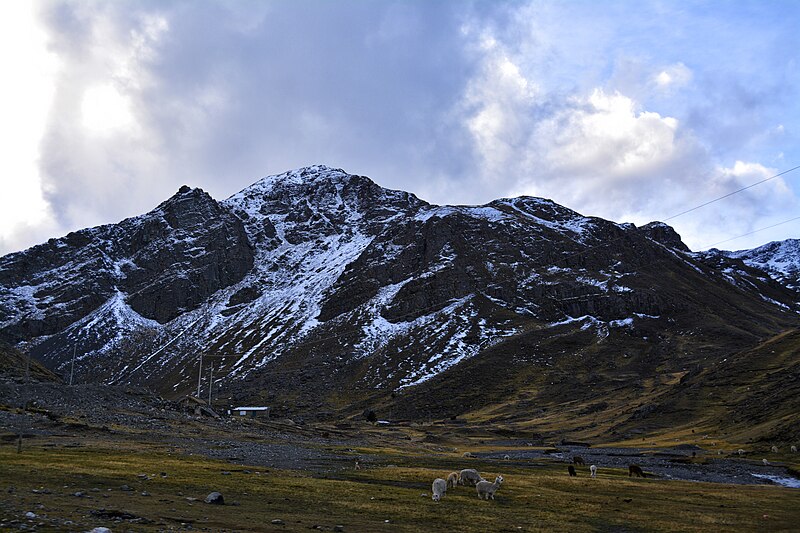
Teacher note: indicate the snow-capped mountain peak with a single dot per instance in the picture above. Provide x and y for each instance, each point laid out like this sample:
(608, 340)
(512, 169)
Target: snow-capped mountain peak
(357, 285)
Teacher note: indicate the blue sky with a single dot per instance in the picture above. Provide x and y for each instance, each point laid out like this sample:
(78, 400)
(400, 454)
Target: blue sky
(629, 110)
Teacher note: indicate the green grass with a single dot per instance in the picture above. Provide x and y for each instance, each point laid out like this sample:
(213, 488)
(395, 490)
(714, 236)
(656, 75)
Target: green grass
(535, 497)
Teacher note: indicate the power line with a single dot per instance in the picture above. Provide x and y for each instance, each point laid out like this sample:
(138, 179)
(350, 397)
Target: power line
(751, 232)
(731, 193)
(590, 248)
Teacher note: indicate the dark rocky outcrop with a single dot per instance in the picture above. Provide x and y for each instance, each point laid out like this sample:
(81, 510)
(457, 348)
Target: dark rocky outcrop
(208, 250)
(664, 234)
(165, 263)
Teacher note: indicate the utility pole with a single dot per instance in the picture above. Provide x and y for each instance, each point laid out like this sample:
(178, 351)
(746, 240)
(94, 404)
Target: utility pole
(210, 356)
(72, 367)
(24, 395)
(210, 382)
(199, 375)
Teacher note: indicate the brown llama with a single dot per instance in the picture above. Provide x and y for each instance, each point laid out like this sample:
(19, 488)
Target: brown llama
(635, 470)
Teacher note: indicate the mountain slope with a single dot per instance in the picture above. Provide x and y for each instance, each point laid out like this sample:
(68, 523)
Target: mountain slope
(15, 366)
(780, 259)
(319, 292)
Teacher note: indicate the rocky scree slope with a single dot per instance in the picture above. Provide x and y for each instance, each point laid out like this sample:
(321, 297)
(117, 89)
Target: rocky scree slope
(325, 292)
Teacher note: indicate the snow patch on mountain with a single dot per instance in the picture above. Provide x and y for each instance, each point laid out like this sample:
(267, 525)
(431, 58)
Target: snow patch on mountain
(120, 313)
(779, 258)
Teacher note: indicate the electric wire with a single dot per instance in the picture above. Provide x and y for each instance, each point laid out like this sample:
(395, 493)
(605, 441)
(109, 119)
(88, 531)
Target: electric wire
(751, 232)
(731, 193)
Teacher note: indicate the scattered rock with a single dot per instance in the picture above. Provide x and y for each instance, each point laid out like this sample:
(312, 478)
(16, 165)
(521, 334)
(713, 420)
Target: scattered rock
(125, 488)
(143, 476)
(215, 498)
(277, 522)
(226, 473)
(338, 528)
(79, 494)
(113, 514)
(30, 516)
(100, 530)
(145, 493)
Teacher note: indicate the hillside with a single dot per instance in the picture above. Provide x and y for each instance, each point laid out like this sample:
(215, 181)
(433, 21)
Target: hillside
(14, 366)
(323, 294)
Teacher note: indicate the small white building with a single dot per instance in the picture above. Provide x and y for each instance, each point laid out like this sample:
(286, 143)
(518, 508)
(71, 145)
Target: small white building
(251, 412)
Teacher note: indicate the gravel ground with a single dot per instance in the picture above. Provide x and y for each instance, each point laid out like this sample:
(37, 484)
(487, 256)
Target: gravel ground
(112, 412)
(59, 411)
(662, 463)
(273, 455)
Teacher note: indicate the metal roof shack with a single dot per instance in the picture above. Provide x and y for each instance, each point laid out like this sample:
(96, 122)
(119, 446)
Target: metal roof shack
(250, 412)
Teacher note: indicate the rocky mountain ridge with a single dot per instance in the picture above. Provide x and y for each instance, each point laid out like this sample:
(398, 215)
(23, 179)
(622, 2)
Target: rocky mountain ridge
(318, 291)
(781, 259)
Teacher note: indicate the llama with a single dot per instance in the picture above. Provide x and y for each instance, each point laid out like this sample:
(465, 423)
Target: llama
(469, 476)
(571, 470)
(635, 470)
(486, 490)
(593, 470)
(439, 487)
(452, 480)
(793, 449)
(774, 449)
(766, 463)
(578, 461)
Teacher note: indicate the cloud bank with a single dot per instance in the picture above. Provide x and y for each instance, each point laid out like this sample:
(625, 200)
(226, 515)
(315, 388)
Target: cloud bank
(630, 111)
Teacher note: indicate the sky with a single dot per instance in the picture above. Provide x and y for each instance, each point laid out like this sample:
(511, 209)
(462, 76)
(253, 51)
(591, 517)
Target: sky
(631, 110)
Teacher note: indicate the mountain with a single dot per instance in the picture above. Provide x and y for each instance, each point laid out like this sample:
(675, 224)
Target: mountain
(322, 294)
(781, 259)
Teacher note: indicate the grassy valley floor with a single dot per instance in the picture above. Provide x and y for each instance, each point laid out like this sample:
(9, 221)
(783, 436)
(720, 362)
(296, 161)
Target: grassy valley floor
(130, 485)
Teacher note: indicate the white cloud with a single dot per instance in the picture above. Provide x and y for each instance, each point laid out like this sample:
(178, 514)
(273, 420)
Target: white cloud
(606, 132)
(458, 102)
(25, 97)
(102, 158)
(673, 76)
(498, 101)
(602, 153)
(104, 109)
(758, 207)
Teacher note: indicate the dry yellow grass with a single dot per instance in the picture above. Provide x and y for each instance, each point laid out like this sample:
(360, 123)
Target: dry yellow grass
(537, 498)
